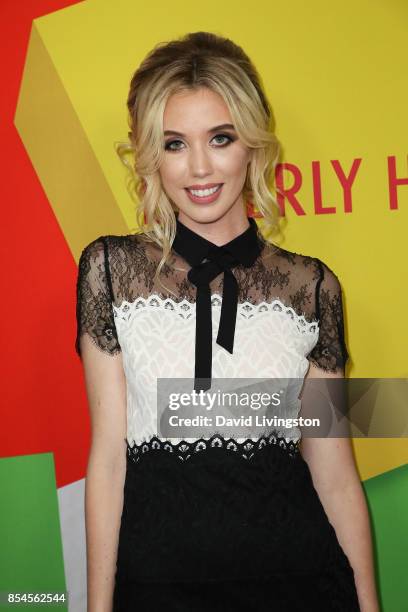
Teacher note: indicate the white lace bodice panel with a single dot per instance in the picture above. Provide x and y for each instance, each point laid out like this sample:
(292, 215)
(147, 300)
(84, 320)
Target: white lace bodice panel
(157, 340)
(289, 313)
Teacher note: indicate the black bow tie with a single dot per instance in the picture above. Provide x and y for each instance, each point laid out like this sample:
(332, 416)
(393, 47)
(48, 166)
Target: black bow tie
(207, 261)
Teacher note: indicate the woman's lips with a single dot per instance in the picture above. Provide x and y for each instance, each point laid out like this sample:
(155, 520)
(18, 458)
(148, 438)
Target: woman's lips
(205, 199)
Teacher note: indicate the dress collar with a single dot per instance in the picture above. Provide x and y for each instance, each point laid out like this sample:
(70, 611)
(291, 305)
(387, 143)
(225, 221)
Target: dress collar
(207, 261)
(194, 248)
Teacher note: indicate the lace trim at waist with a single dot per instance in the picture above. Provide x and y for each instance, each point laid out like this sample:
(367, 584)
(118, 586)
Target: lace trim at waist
(184, 449)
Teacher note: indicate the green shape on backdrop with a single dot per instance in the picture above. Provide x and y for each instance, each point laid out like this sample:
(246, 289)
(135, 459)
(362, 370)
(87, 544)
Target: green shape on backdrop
(387, 497)
(31, 557)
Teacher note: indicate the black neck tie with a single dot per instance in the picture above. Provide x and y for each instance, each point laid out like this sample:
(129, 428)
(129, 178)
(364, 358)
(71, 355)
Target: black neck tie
(207, 261)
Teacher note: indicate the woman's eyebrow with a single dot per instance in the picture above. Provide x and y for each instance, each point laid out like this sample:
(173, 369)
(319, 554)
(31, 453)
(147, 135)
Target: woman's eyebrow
(224, 126)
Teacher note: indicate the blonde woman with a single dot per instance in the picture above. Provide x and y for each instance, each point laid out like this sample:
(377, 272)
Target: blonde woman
(211, 522)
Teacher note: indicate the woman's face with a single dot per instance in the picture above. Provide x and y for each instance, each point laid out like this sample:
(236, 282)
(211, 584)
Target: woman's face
(201, 155)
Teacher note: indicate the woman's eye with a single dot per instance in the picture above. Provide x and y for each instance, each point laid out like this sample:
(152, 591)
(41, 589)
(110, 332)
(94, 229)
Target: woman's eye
(225, 136)
(171, 145)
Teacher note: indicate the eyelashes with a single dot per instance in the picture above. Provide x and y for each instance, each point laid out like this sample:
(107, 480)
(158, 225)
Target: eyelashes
(229, 140)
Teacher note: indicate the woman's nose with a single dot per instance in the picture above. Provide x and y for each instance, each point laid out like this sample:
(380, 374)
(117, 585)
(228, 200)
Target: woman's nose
(200, 161)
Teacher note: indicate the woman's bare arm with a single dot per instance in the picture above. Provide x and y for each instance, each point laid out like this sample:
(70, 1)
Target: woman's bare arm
(106, 391)
(337, 482)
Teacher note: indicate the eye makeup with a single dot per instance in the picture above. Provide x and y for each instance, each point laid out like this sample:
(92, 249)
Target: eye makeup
(229, 138)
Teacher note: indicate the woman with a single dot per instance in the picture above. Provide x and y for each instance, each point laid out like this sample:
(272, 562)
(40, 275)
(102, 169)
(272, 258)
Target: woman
(209, 522)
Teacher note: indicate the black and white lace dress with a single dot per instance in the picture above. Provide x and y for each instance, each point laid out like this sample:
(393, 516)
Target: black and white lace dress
(217, 523)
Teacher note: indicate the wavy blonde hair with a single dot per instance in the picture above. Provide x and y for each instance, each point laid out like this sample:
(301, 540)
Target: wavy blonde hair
(199, 59)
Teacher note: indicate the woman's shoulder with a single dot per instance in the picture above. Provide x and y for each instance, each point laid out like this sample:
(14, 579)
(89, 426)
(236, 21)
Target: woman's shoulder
(305, 265)
(130, 241)
(113, 244)
(110, 256)
(290, 261)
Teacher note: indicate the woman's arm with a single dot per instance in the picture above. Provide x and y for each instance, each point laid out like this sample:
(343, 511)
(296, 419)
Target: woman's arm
(106, 391)
(337, 482)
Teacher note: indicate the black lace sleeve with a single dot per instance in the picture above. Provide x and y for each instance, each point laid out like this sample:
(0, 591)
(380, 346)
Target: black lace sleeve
(330, 353)
(94, 312)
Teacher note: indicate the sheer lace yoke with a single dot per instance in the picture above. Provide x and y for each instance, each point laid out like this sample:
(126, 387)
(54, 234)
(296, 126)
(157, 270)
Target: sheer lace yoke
(116, 277)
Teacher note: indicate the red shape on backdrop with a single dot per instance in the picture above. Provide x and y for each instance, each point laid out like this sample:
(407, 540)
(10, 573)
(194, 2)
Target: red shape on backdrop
(43, 393)
(288, 193)
(251, 212)
(347, 181)
(394, 182)
(317, 190)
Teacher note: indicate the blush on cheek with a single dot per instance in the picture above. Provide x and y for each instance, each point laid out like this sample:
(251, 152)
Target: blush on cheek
(172, 179)
(235, 166)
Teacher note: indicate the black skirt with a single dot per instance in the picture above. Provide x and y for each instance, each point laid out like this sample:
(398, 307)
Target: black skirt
(211, 527)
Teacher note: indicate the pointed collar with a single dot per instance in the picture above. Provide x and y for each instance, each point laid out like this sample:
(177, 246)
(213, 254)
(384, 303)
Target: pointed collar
(194, 248)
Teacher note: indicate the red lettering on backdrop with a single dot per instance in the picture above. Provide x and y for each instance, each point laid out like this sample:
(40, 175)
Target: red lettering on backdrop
(346, 181)
(393, 182)
(288, 192)
(317, 189)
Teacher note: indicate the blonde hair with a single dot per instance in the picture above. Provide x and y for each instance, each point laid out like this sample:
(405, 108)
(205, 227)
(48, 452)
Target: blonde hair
(199, 59)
